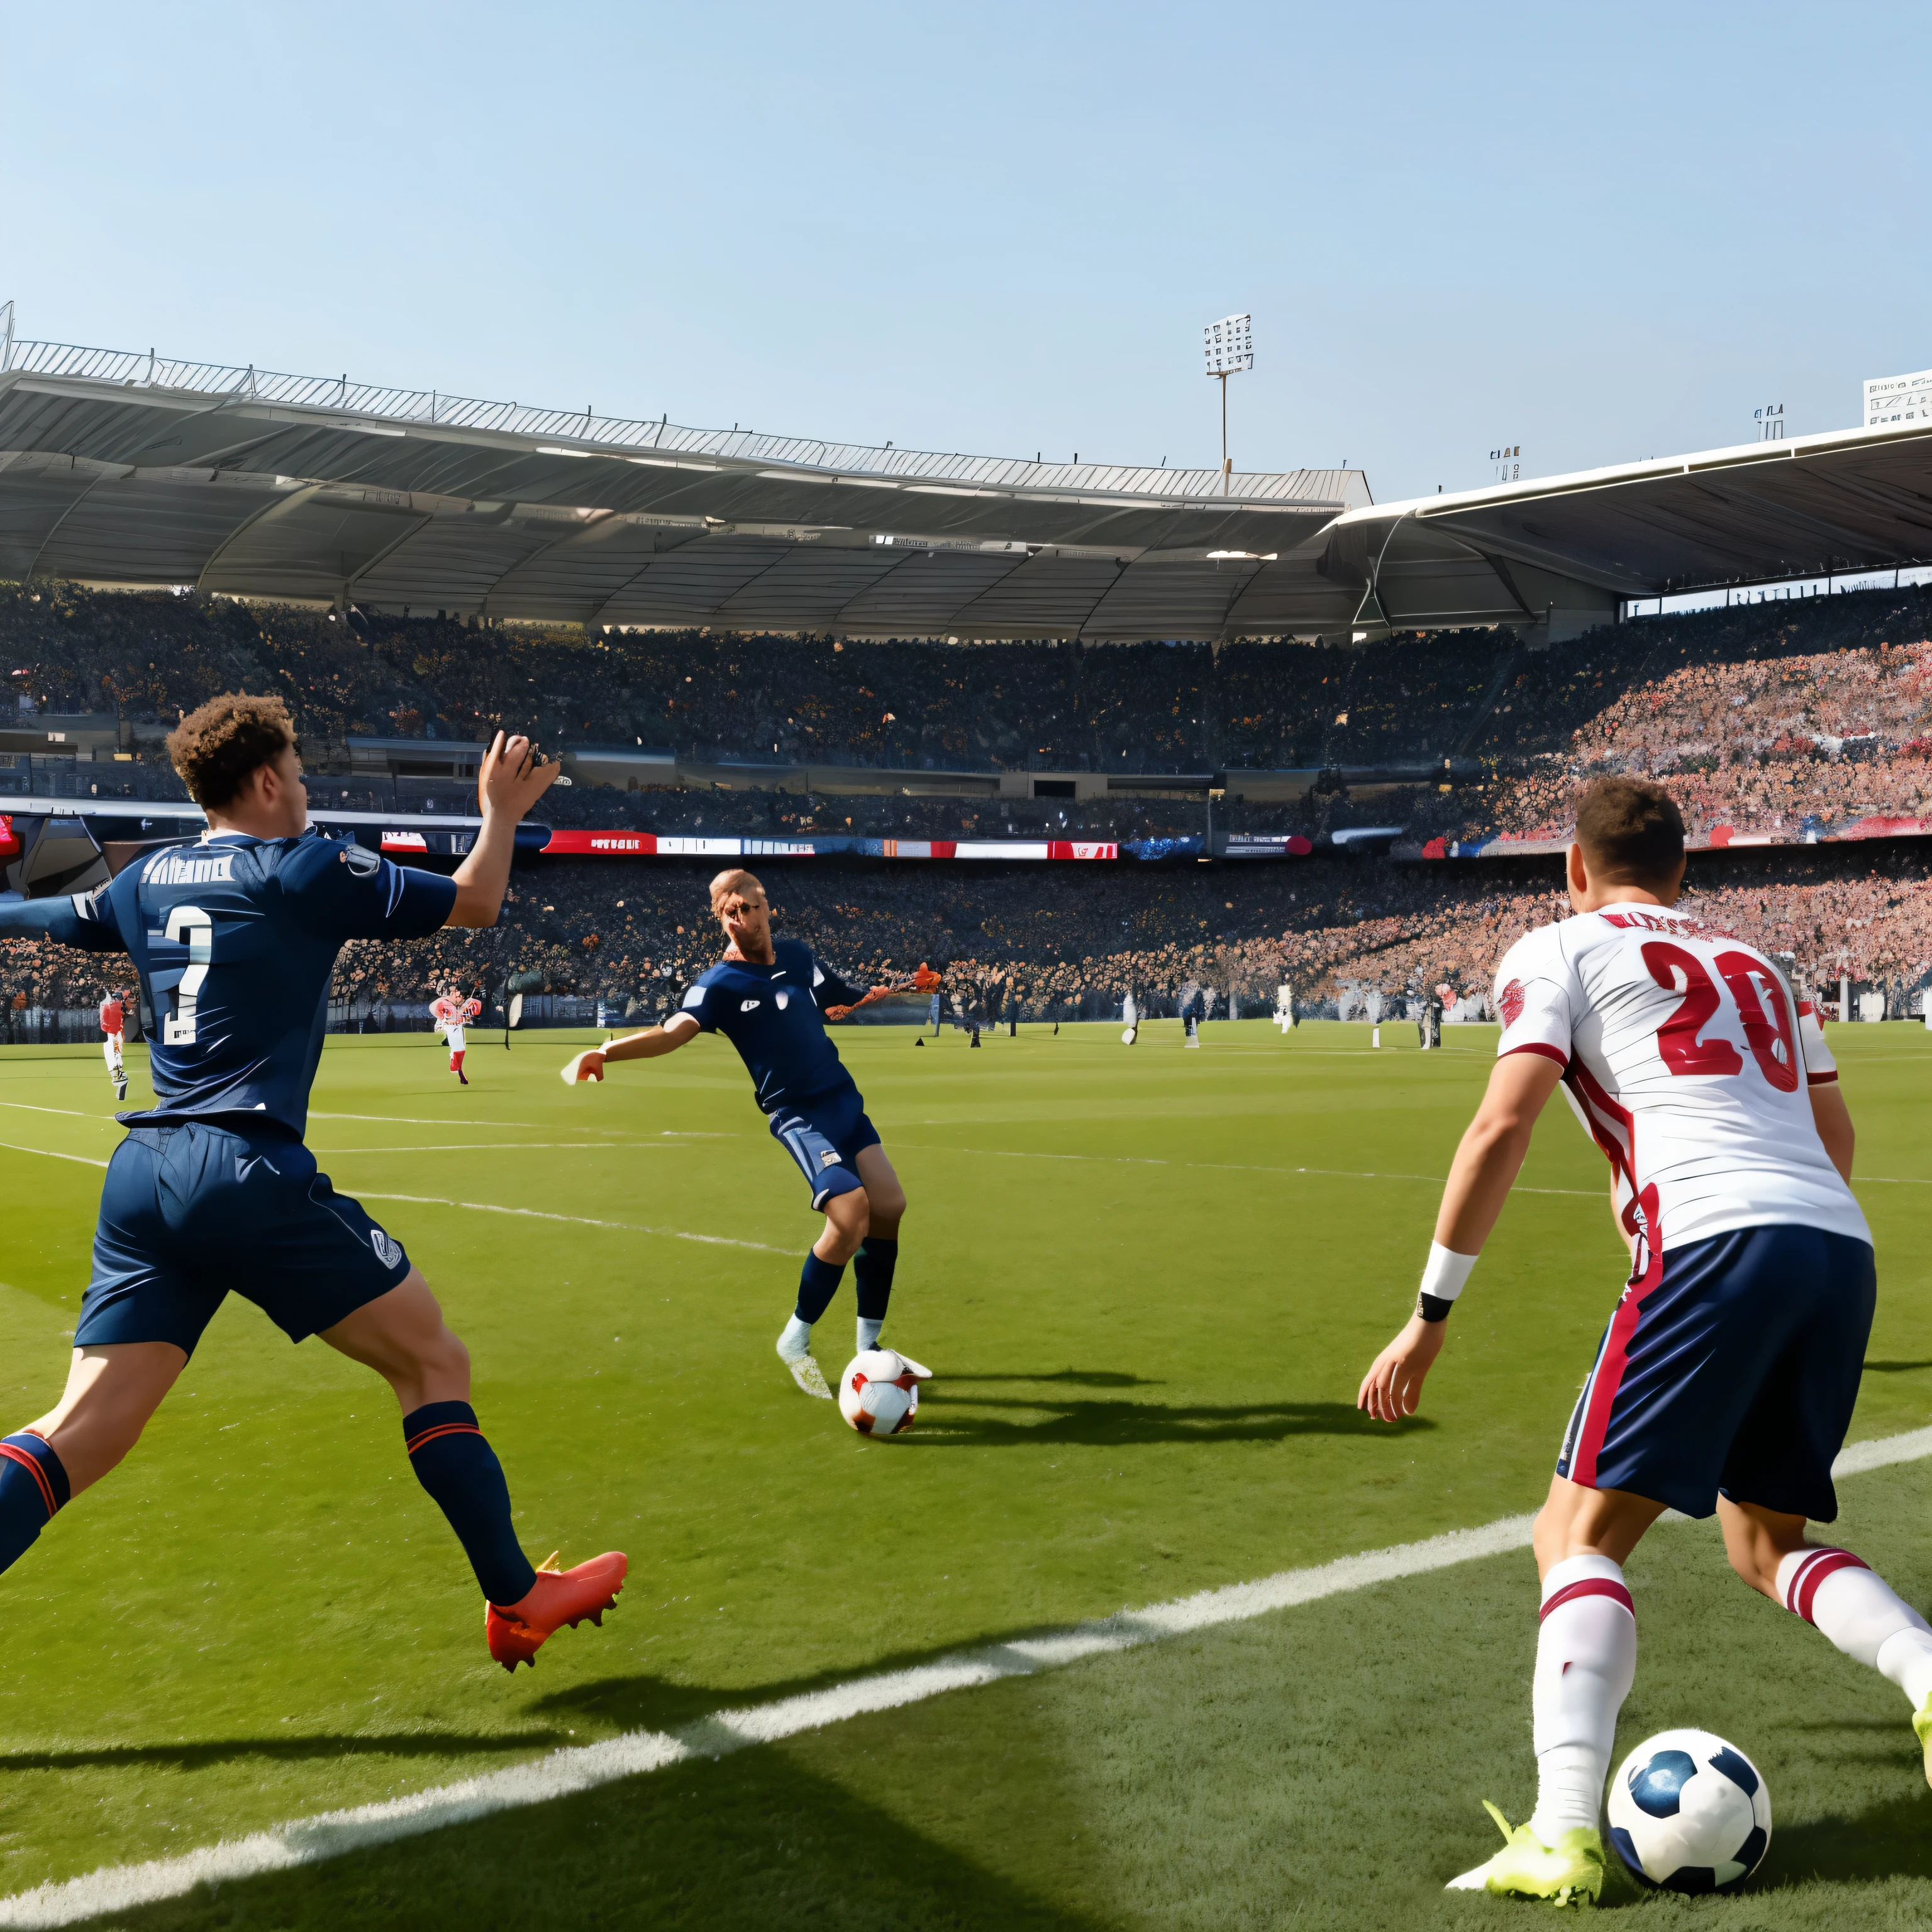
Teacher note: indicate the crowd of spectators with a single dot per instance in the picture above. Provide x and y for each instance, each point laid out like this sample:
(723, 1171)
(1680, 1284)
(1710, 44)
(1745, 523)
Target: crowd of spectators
(1151, 706)
(1776, 720)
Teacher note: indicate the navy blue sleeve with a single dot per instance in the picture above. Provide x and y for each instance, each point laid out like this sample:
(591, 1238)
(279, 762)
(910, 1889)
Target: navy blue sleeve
(339, 891)
(698, 1003)
(829, 989)
(83, 919)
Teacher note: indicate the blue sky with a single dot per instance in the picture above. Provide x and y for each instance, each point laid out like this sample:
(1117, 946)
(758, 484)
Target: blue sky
(1597, 232)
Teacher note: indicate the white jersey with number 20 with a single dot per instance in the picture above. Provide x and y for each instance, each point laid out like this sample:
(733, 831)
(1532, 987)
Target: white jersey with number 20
(1687, 1059)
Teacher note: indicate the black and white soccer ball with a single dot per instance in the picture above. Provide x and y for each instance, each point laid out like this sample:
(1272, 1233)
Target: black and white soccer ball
(1690, 1812)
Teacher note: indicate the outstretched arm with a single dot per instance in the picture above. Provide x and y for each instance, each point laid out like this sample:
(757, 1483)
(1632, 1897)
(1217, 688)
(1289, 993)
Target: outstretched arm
(680, 1030)
(510, 782)
(1485, 1168)
(925, 980)
(1833, 1120)
(75, 919)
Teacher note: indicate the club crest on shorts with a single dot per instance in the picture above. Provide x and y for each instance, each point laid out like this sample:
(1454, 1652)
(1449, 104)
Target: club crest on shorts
(387, 1252)
(361, 861)
(828, 1158)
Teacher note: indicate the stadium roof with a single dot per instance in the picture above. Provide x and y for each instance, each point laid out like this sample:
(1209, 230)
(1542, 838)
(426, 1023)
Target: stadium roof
(121, 467)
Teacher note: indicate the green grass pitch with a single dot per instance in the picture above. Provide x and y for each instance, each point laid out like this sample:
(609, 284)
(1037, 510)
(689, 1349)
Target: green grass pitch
(1149, 1281)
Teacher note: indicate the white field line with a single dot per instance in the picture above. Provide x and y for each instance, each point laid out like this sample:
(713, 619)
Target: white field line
(329, 1834)
(11, 1147)
(1221, 1166)
(485, 1207)
(502, 1147)
(576, 1221)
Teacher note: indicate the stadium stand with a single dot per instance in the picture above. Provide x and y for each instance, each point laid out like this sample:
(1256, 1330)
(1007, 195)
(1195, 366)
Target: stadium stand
(1796, 721)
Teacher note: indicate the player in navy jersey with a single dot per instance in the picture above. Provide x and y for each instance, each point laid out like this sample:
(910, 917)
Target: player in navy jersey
(770, 998)
(233, 941)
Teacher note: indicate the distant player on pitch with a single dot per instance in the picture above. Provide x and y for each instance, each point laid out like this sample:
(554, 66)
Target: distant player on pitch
(452, 1012)
(112, 1023)
(1727, 1377)
(234, 939)
(770, 998)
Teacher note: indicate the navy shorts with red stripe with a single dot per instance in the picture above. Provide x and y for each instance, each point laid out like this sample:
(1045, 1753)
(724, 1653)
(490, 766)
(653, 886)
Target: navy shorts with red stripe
(1731, 1369)
(189, 1212)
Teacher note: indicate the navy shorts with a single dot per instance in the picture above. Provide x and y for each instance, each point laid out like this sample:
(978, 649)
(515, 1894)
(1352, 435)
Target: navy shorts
(1733, 1368)
(188, 1213)
(826, 1135)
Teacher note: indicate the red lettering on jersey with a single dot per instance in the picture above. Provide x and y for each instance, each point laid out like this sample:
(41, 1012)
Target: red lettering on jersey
(1677, 1039)
(1510, 1003)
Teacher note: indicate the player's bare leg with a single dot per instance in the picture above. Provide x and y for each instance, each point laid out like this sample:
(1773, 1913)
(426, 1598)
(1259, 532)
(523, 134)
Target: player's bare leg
(1854, 1606)
(403, 1336)
(112, 1389)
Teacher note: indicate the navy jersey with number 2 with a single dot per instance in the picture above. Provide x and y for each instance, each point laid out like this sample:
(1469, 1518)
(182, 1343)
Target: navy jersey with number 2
(234, 939)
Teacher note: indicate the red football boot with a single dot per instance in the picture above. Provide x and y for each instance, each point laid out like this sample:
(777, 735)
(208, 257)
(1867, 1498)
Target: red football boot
(561, 1596)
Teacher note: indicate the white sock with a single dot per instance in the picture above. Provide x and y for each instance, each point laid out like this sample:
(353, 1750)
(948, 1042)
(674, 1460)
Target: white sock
(868, 1333)
(796, 1339)
(1862, 1614)
(1585, 1662)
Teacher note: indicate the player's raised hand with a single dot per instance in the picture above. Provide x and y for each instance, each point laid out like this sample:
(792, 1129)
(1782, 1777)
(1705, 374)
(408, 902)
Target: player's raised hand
(588, 1065)
(1393, 1386)
(512, 778)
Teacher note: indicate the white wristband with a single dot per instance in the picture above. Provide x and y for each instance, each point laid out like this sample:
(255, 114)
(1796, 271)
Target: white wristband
(1446, 1271)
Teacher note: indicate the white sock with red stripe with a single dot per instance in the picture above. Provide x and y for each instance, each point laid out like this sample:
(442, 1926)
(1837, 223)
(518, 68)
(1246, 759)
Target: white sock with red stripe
(1585, 1662)
(1862, 1614)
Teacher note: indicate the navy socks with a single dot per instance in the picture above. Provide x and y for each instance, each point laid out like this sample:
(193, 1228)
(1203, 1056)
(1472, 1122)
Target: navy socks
(33, 1486)
(872, 1276)
(460, 1469)
(818, 1283)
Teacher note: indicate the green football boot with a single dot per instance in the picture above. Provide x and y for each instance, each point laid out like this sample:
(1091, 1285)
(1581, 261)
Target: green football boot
(1922, 1725)
(1569, 1872)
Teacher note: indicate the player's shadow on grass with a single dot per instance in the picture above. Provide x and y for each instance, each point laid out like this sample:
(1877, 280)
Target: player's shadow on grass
(757, 1841)
(196, 1756)
(1894, 1368)
(1100, 1423)
(1074, 1377)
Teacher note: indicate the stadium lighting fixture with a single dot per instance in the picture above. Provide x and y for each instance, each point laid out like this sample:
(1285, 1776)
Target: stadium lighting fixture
(1230, 345)
(551, 449)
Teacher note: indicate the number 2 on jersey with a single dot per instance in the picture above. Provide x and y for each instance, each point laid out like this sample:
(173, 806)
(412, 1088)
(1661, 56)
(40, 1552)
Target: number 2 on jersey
(1772, 1043)
(190, 925)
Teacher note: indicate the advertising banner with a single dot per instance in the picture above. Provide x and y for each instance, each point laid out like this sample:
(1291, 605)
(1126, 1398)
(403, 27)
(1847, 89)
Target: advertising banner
(1898, 402)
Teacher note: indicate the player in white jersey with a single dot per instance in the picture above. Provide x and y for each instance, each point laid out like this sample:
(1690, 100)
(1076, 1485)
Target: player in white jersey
(1726, 1378)
(452, 1012)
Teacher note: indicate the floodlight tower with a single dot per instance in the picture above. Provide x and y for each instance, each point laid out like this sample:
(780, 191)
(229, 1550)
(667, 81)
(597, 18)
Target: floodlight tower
(1230, 344)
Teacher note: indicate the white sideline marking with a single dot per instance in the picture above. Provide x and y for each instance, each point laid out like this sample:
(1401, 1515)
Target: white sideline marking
(575, 1220)
(583, 1768)
(11, 1147)
(413, 1120)
(499, 1146)
(1219, 1166)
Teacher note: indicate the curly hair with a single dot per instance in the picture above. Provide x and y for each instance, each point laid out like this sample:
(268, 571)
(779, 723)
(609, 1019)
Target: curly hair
(216, 746)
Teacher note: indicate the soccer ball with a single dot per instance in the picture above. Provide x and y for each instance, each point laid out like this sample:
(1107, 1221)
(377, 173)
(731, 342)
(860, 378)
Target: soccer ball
(1690, 1812)
(878, 1394)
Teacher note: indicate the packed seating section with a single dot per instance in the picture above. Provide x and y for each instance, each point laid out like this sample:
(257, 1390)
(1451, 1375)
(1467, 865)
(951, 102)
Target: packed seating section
(1776, 718)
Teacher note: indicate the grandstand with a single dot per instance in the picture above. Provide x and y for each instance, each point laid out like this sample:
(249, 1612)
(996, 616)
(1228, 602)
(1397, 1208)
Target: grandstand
(748, 645)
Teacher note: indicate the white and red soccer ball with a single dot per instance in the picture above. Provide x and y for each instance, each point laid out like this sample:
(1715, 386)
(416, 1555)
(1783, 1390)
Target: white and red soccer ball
(878, 1394)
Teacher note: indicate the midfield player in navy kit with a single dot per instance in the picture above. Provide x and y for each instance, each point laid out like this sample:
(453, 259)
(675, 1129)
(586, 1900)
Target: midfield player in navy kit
(234, 939)
(770, 999)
